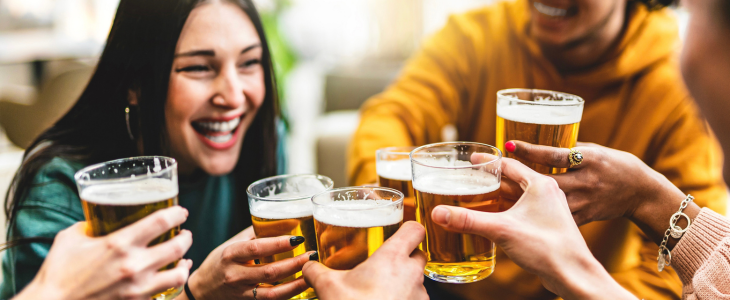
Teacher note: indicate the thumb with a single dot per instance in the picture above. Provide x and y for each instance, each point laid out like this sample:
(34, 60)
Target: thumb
(463, 220)
(313, 273)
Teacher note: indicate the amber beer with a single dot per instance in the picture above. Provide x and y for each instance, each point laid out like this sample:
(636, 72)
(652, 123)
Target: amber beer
(118, 193)
(393, 166)
(457, 180)
(281, 205)
(352, 228)
(538, 117)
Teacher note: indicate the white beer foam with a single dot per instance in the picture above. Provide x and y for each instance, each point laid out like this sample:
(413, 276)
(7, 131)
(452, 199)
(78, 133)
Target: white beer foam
(458, 182)
(133, 193)
(534, 114)
(282, 210)
(394, 169)
(359, 213)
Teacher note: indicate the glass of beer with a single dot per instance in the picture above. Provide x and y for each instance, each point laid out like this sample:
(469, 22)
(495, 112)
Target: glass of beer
(352, 222)
(458, 174)
(281, 205)
(538, 117)
(393, 165)
(120, 192)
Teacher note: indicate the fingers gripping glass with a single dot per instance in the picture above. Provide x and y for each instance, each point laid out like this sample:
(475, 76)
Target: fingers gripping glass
(281, 205)
(118, 193)
(458, 174)
(538, 117)
(353, 222)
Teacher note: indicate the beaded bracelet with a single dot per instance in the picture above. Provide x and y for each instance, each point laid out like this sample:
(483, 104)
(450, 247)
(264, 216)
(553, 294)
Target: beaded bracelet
(665, 256)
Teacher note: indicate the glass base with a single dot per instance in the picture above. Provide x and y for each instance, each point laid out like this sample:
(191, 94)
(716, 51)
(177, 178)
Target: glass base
(309, 294)
(169, 294)
(462, 272)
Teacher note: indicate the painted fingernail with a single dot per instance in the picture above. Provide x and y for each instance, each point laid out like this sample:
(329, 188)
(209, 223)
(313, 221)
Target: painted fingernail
(510, 146)
(314, 256)
(440, 215)
(296, 240)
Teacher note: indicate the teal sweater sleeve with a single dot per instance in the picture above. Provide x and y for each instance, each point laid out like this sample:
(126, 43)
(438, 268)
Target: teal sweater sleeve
(50, 205)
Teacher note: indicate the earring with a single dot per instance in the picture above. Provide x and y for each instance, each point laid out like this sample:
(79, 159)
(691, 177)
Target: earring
(129, 128)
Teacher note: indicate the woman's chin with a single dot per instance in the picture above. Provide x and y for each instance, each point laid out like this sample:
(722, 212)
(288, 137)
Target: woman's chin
(220, 168)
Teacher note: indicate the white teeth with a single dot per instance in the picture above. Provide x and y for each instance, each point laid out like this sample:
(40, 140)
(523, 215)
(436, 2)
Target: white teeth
(220, 139)
(549, 10)
(220, 126)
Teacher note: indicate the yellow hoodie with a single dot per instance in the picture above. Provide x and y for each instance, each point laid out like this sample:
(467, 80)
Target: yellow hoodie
(635, 102)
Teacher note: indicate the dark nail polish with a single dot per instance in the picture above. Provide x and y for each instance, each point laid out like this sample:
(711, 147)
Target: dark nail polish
(296, 240)
(314, 256)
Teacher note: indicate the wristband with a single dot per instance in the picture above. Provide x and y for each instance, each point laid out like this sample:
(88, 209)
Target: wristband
(188, 292)
(665, 256)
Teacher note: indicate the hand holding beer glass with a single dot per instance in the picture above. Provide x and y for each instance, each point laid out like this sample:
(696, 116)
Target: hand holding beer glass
(281, 205)
(118, 193)
(393, 165)
(538, 117)
(458, 174)
(352, 223)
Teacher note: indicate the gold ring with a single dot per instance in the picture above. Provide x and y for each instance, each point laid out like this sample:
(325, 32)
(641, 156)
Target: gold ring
(575, 157)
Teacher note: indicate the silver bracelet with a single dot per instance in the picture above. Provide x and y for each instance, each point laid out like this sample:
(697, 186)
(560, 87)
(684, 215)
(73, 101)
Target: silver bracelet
(665, 256)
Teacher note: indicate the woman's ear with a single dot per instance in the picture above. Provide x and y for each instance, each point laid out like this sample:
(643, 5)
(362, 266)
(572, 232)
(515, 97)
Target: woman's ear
(132, 97)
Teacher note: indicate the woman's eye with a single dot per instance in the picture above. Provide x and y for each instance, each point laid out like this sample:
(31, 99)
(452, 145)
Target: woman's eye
(251, 62)
(197, 68)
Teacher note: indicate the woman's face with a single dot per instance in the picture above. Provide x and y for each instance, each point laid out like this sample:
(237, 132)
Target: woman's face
(706, 66)
(216, 88)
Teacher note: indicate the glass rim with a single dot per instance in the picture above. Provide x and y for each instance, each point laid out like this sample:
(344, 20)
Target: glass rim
(499, 155)
(501, 94)
(389, 150)
(378, 188)
(79, 180)
(250, 194)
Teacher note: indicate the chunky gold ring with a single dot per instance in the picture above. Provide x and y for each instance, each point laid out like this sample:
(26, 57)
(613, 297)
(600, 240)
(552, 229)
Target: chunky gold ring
(575, 157)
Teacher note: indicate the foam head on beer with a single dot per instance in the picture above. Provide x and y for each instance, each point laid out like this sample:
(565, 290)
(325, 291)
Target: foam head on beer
(131, 193)
(394, 169)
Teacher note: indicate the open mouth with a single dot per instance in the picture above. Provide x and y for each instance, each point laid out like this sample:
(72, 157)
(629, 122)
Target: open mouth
(551, 11)
(218, 132)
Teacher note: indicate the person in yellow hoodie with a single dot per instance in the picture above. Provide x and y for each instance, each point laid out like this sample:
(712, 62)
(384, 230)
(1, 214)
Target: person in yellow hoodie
(619, 55)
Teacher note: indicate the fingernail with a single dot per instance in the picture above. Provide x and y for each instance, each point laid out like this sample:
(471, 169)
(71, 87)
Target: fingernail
(510, 146)
(441, 215)
(314, 256)
(296, 240)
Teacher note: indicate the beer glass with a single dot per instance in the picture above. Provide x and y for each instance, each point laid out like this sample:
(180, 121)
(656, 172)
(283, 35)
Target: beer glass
(460, 174)
(120, 192)
(393, 165)
(281, 205)
(539, 117)
(352, 222)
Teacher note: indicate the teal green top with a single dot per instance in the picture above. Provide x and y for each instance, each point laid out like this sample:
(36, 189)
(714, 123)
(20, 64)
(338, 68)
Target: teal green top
(52, 205)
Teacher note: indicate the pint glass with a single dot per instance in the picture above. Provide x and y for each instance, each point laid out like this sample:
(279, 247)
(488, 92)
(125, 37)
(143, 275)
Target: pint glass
(458, 174)
(118, 193)
(281, 205)
(351, 223)
(539, 117)
(393, 166)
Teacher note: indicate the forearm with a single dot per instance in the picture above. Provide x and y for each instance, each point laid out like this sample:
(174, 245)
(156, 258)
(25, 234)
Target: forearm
(652, 215)
(589, 280)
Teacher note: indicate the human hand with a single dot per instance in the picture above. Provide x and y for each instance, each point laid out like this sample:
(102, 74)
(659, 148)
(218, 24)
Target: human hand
(116, 266)
(394, 271)
(538, 233)
(229, 271)
(608, 184)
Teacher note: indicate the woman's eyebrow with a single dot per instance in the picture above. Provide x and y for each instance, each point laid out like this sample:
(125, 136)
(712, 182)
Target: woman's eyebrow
(249, 48)
(197, 53)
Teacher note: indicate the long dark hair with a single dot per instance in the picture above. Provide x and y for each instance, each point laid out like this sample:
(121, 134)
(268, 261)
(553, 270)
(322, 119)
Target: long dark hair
(138, 59)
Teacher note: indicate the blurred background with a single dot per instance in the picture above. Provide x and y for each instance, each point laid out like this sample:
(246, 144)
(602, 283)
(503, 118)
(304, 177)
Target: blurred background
(330, 56)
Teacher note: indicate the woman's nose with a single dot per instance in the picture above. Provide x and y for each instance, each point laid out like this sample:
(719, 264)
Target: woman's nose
(229, 89)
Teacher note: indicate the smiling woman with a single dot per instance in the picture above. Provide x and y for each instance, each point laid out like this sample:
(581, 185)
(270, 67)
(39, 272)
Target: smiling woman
(191, 79)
